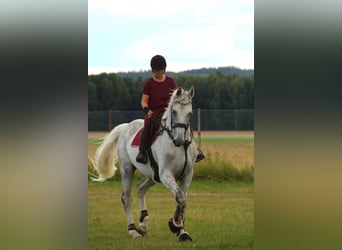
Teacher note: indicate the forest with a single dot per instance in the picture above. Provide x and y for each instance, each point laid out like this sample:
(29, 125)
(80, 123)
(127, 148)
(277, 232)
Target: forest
(215, 88)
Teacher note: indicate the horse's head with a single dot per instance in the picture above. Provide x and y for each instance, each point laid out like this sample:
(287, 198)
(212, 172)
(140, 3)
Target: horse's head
(178, 114)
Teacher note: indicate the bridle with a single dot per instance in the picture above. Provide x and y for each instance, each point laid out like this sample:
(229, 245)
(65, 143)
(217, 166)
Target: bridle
(185, 144)
(186, 126)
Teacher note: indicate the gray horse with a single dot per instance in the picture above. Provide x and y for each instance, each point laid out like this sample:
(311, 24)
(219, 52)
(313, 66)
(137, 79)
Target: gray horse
(174, 151)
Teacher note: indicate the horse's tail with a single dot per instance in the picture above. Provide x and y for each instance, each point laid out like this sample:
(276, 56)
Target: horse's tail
(106, 155)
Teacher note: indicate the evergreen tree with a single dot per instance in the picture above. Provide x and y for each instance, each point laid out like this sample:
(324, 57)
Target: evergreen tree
(217, 90)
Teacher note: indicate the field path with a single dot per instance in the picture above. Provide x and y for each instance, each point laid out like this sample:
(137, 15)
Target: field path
(215, 134)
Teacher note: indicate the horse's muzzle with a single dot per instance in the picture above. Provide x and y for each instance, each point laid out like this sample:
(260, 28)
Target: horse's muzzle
(178, 143)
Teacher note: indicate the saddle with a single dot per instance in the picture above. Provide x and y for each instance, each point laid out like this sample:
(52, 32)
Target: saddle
(136, 139)
(153, 163)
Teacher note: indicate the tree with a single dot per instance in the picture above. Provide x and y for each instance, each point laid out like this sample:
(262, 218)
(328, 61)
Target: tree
(92, 96)
(214, 91)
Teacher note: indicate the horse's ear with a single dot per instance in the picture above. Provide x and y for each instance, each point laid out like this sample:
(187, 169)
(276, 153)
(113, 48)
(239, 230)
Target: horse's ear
(179, 91)
(191, 92)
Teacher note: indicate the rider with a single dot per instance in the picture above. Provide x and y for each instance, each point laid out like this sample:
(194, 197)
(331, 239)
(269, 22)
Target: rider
(156, 94)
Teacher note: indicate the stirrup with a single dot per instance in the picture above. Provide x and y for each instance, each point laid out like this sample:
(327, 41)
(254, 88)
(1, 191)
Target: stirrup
(141, 157)
(200, 155)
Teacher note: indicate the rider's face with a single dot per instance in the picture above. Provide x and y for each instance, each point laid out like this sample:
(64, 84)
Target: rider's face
(158, 73)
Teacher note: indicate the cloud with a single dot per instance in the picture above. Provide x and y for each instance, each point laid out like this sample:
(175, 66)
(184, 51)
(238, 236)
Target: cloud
(219, 40)
(151, 8)
(189, 33)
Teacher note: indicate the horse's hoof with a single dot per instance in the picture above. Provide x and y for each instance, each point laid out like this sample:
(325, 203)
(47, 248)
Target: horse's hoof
(184, 237)
(134, 233)
(142, 228)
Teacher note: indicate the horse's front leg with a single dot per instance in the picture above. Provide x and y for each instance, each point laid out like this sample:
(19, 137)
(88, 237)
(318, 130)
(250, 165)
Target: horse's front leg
(176, 223)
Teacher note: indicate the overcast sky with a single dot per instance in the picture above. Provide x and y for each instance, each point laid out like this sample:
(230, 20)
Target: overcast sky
(123, 35)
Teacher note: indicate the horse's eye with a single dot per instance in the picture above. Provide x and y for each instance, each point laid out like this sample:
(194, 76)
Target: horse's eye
(174, 112)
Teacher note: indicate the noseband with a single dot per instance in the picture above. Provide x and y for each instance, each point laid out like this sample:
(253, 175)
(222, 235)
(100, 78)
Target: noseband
(180, 125)
(169, 132)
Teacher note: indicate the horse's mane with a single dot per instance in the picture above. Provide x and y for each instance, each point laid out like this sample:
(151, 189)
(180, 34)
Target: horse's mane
(182, 98)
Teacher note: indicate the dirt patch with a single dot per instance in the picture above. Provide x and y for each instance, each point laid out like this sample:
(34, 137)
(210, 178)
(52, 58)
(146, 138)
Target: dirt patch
(214, 133)
(246, 134)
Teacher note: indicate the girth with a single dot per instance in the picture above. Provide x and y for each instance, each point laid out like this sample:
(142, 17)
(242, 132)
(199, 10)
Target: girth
(155, 167)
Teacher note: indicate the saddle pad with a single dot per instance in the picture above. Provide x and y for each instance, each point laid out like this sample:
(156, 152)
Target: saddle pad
(136, 139)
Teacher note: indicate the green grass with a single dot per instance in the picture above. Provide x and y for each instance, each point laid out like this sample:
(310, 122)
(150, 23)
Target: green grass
(95, 141)
(220, 209)
(219, 216)
(225, 140)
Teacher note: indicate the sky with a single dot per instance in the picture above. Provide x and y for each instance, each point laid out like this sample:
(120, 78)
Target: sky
(123, 35)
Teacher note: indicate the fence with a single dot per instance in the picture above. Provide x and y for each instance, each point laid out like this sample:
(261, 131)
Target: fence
(205, 119)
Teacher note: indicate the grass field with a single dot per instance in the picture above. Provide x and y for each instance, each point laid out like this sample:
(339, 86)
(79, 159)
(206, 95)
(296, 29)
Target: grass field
(220, 208)
(219, 216)
(228, 157)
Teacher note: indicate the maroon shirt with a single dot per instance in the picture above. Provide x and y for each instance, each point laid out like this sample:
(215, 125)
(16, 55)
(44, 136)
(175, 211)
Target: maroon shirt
(159, 93)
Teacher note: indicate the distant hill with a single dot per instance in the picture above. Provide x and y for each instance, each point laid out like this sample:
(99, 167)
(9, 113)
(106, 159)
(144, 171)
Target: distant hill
(194, 72)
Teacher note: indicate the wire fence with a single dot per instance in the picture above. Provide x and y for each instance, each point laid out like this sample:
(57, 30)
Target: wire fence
(202, 119)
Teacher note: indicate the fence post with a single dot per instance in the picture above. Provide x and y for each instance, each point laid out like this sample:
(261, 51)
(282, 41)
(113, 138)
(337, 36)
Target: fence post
(199, 127)
(109, 120)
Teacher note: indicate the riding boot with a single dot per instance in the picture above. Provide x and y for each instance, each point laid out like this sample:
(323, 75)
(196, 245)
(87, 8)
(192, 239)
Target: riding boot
(200, 155)
(142, 155)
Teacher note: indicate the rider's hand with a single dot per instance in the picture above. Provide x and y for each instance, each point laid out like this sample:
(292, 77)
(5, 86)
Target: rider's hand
(149, 114)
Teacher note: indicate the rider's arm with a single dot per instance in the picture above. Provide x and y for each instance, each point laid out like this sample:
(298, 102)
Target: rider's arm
(144, 100)
(144, 104)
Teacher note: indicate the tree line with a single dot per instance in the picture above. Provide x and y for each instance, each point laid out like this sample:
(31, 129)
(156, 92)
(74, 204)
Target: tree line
(216, 90)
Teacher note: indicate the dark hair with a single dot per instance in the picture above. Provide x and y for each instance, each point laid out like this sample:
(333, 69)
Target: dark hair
(158, 62)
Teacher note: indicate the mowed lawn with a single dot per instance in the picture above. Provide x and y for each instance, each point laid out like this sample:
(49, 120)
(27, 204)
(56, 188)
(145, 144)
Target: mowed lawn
(220, 215)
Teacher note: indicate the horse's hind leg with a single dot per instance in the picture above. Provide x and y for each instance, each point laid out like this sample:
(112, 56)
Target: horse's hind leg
(143, 186)
(127, 172)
